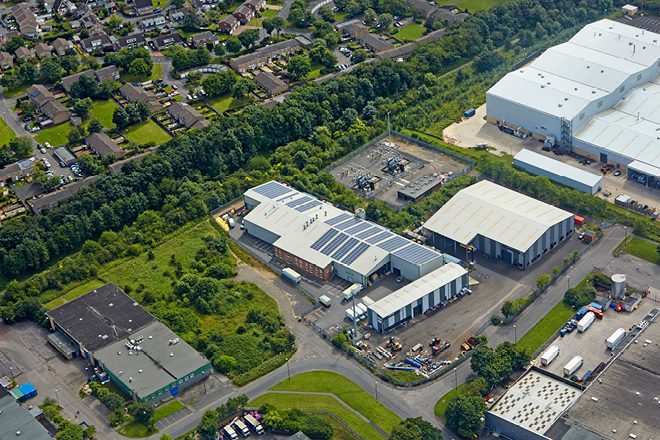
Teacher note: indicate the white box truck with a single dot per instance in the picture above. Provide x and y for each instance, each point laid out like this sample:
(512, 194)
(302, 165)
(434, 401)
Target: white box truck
(231, 434)
(352, 291)
(360, 309)
(549, 355)
(615, 339)
(291, 275)
(573, 365)
(585, 322)
(254, 424)
(349, 314)
(367, 301)
(325, 300)
(241, 427)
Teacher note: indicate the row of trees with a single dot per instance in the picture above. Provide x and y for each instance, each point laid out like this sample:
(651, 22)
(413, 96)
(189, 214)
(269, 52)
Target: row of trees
(131, 114)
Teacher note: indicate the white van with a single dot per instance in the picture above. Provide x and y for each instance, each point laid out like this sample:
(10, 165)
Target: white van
(325, 300)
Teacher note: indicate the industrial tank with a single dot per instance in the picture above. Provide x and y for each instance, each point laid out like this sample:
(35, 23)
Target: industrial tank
(618, 286)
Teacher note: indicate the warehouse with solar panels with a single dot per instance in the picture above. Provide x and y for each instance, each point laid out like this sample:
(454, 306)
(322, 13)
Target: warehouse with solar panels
(319, 239)
(596, 95)
(498, 222)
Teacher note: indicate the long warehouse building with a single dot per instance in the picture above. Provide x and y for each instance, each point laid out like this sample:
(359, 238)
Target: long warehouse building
(597, 94)
(500, 223)
(319, 239)
(418, 297)
(559, 172)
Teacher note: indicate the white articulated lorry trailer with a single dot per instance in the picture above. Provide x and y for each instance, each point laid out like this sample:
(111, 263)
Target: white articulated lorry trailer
(291, 275)
(549, 355)
(585, 322)
(573, 365)
(615, 339)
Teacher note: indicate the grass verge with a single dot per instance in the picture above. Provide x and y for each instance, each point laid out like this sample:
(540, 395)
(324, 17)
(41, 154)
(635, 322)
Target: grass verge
(644, 249)
(545, 328)
(441, 405)
(167, 410)
(6, 133)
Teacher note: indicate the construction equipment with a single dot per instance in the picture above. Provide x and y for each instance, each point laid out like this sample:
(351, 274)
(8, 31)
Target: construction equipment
(393, 344)
(439, 347)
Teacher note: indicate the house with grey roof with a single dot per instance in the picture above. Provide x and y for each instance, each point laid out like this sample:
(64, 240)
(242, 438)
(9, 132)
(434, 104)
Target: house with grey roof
(186, 115)
(103, 145)
(271, 83)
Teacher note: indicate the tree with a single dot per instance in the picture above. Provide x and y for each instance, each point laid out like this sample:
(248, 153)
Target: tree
(370, 17)
(241, 88)
(84, 87)
(218, 84)
(112, 401)
(69, 431)
(120, 118)
(274, 23)
(178, 3)
(95, 126)
(543, 280)
(208, 427)
(81, 107)
(326, 14)
(298, 67)
(139, 67)
(359, 56)
(233, 44)
(21, 146)
(143, 412)
(14, 44)
(385, 21)
(76, 135)
(50, 71)
(165, 437)
(249, 37)
(465, 414)
(415, 429)
(322, 55)
(90, 432)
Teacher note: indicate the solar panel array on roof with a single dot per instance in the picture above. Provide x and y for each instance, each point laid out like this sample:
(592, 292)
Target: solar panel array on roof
(298, 201)
(355, 253)
(272, 190)
(324, 239)
(359, 227)
(382, 236)
(393, 243)
(348, 223)
(339, 218)
(416, 254)
(368, 233)
(334, 244)
(307, 206)
(345, 248)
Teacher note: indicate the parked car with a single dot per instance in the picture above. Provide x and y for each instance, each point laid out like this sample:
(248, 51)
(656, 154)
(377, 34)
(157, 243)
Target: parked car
(41, 149)
(617, 173)
(582, 234)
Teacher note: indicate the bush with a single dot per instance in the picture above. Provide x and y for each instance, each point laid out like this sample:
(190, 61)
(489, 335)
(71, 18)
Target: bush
(263, 369)
(512, 308)
(112, 401)
(579, 296)
(464, 415)
(117, 417)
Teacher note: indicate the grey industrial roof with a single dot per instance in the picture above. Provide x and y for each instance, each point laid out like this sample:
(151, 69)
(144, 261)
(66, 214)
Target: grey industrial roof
(495, 212)
(556, 167)
(627, 393)
(162, 359)
(14, 418)
(420, 185)
(536, 401)
(100, 317)
(417, 289)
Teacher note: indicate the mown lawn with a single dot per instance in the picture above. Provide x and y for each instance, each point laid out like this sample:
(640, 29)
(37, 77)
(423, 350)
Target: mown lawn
(307, 402)
(146, 132)
(103, 111)
(6, 133)
(347, 391)
(473, 6)
(226, 103)
(545, 328)
(167, 410)
(156, 73)
(133, 429)
(410, 32)
(644, 249)
(264, 14)
(11, 93)
(56, 135)
(441, 405)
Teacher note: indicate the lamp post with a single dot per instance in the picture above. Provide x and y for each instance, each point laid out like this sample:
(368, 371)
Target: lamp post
(515, 334)
(288, 371)
(376, 390)
(455, 378)
(568, 282)
(57, 399)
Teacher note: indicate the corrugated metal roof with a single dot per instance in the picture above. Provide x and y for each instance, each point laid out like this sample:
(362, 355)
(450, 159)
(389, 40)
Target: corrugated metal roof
(556, 167)
(495, 212)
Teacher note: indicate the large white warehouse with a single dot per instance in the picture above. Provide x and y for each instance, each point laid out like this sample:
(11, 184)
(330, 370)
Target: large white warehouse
(500, 223)
(319, 239)
(597, 94)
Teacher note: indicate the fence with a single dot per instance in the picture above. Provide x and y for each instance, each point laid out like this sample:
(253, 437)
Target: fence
(527, 59)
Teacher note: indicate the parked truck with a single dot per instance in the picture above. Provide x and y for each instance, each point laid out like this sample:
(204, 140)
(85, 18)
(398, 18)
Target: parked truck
(325, 300)
(254, 424)
(573, 365)
(351, 291)
(615, 339)
(241, 427)
(585, 322)
(229, 431)
(550, 355)
(291, 275)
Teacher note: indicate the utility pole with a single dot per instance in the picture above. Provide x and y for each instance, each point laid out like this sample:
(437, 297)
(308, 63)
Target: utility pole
(376, 390)
(287, 368)
(515, 334)
(354, 321)
(455, 379)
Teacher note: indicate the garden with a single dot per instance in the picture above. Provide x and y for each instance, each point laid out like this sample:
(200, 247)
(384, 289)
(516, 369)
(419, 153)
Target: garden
(410, 32)
(147, 132)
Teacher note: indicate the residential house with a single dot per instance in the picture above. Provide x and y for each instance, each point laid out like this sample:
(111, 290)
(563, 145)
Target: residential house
(23, 53)
(177, 16)
(244, 14)
(201, 39)
(64, 156)
(352, 28)
(55, 111)
(142, 7)
(6, 60)
(228, 24)
(151, 23)
(99, 42)
(135, 94)
(38, 94)
(255, 5)
(187, 116)
(60, 45)
(25, 20)
(374, 43)
(264, 55)
(51, 200)
(68, 81)
(43, 50)
(162, 41)
(449, 14)
(422, 8)
(6, 38)
(16, 171)
(107, 72)
(131, 41)
(101, 144)
(271, 83)
(64, 7)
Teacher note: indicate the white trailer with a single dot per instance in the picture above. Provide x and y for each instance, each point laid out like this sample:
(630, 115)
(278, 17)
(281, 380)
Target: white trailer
(367, 301)
(230, 432)
(573, 365)
(360, 309)
(349, 314)
(254, 424)
(325, 300)
(351, 291)
(550, 355)
(615, 339)
(241, 427)
(291, 275)
(585, 322)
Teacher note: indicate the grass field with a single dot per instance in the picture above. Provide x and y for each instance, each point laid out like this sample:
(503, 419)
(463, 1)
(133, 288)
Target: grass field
(473, 6)
(156, 73)
(56, 135)
(644, 249)
(167, 410)
(339, 432)
(145, 132)
(347, 391)
(103, 111)
(225, 103)
(6, 133)
(441, 405)
(308, 402)
(545, 328)
(133, 429)
(159, 3)
(410, 32)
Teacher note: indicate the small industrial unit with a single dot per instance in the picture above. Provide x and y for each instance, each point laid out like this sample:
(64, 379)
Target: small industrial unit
(318, 239)
(499, 222)
(559, 172)
(143, 357)
(17, 422)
